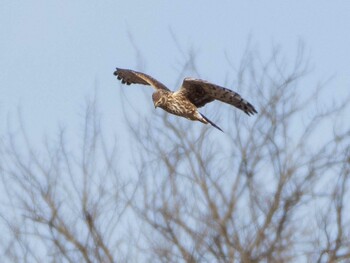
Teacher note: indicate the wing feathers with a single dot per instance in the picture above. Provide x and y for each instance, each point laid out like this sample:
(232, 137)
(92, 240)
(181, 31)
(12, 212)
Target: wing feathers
(201, 92)
(198, 92)
(128, 77)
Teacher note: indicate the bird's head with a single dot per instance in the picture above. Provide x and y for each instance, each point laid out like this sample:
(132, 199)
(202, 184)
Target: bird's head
(157, 98)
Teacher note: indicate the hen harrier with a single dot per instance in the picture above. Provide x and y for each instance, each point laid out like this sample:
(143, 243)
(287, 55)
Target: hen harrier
(185, 102)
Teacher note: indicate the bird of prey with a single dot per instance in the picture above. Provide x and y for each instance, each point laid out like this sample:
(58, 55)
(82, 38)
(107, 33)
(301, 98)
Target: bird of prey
(193, 94)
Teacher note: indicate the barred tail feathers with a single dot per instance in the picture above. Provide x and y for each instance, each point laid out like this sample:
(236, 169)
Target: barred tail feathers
(212, 123)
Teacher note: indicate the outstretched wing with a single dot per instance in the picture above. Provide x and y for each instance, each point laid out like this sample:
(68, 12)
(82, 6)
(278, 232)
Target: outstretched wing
(128, 77)
(201, 92)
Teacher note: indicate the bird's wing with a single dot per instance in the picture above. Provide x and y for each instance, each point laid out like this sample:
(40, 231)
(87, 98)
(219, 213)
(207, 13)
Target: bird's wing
(128, 77)
(201, 92)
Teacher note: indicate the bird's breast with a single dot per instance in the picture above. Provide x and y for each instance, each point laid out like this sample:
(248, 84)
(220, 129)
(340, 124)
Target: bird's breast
(180, 106)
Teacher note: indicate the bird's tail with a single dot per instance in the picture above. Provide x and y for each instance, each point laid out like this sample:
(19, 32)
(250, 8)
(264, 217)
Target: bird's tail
(212, 123)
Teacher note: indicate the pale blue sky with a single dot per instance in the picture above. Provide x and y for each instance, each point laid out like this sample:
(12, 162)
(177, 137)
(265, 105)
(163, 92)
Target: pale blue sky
(54, 53)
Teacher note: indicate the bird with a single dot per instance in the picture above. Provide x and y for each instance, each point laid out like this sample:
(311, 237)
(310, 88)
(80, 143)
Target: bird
(193, 94)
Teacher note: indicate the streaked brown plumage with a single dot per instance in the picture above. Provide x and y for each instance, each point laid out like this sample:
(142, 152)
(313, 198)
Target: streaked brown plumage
(185, 102)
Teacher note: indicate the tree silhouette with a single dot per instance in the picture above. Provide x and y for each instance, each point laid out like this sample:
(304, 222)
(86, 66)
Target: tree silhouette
(271, 189)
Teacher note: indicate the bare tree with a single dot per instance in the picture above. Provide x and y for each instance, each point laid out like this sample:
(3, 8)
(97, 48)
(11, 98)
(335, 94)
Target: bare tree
(272, 188)
(65, 202)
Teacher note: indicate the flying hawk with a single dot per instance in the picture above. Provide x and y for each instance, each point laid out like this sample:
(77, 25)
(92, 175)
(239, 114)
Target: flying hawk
(194, 93)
